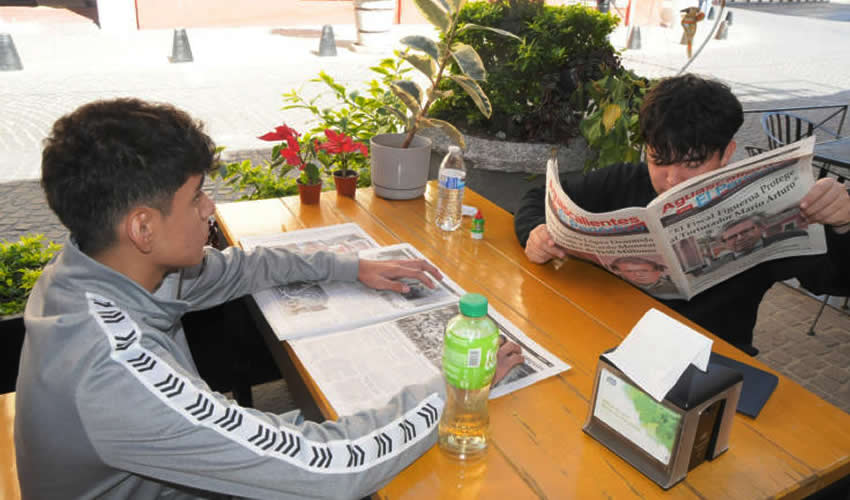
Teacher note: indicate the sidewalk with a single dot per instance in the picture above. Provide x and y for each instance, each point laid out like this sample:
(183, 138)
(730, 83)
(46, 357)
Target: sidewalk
(235, 86)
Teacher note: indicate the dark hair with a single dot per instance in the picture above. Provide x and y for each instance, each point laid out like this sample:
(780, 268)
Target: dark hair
(688, 119)
(637, 260)
(108, 156)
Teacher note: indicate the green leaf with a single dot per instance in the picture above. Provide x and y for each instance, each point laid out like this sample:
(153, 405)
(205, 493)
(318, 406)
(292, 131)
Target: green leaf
(469, 61)
(449, 129)
(407, 99)
(398, 114)
(476, 27)
(435, 13)
(591, 130)
(610, 116)
(423, 63)
(424, 44)
(478, 96)
(453, 6)
(411, 88)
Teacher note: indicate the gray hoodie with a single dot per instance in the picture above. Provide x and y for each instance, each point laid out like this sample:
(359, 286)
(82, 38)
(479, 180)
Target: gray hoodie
(110, 403)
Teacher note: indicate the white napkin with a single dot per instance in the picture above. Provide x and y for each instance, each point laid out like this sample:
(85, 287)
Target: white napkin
(658, 350)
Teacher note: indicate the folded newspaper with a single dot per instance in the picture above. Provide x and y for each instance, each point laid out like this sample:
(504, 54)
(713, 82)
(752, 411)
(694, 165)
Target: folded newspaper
(362, 346)
(702, 231)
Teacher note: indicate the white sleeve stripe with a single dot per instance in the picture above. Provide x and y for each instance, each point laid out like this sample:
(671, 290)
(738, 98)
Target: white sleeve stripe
(197, 405)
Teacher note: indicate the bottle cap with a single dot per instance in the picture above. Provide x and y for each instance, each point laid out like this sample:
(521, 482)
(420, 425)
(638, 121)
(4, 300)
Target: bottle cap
(473, 305)
(454, 150)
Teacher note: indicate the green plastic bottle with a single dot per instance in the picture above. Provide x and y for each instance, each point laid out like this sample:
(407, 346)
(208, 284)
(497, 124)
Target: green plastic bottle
(470, 346)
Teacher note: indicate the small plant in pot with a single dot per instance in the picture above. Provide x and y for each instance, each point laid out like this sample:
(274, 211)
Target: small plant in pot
(300, 153)
(432, 58)
(337, 154)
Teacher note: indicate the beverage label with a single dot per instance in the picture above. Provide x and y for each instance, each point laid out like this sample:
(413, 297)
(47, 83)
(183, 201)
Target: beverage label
(451, 182)
(469, 363)
(477, 227)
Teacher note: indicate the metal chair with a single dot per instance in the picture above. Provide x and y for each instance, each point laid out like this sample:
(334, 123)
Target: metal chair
(754, 150)
(823, 171)
(784, 128)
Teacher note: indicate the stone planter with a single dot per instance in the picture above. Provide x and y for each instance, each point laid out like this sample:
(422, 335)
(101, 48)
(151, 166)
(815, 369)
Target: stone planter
(399, 173)
(504, 156)
(11, 342)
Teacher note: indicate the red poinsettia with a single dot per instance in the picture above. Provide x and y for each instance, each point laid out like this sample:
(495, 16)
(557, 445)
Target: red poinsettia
(291, 152)
(339, 148)
(282, 133)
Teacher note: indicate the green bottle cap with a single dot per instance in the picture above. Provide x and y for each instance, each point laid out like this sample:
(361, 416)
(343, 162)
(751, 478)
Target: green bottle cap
(473, 305)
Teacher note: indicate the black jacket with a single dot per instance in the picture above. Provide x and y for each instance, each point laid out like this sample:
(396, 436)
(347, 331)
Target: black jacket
(727, 309)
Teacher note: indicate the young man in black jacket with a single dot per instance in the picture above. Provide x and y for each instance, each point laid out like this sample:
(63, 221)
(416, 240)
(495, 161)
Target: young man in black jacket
(688, 123)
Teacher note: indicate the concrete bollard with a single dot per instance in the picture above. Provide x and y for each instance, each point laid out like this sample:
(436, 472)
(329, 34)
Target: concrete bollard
(722, 31)
(327, 44)
(9, 59)
(633, 42)
(180, 49)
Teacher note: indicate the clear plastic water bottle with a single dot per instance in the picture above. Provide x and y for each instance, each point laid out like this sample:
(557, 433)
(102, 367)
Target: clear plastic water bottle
(452, 179)
(470, 347)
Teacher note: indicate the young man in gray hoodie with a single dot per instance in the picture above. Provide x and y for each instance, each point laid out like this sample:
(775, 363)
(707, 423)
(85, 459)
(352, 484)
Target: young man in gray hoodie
(109, 401)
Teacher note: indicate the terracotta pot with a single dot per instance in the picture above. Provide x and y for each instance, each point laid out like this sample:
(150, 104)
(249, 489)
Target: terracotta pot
(346, 182)
(309, 193)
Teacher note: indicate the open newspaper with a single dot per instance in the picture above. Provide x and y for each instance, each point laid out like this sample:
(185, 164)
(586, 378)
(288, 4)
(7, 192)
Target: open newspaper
(702, 231)
(361, 346)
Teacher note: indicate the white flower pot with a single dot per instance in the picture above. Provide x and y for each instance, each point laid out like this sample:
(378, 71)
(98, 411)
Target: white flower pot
(399, 173)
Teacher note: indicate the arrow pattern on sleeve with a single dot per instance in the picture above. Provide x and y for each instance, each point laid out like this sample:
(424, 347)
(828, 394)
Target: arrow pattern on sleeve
(356, 456)
(201, 409)
(180, 389)
(408, 429)
(429, 414)
(290, 444)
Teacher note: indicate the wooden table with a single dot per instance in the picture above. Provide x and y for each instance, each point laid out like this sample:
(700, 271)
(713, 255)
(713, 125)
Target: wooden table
(799, 444)
(9, 487)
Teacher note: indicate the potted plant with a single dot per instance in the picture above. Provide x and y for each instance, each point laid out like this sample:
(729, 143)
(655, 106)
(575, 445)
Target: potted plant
(400, 162)
(336, 154)
(297, 153)
(21, 263)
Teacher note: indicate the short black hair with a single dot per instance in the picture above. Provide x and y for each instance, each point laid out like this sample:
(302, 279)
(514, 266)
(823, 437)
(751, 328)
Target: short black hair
(108, 156)
(688, 118)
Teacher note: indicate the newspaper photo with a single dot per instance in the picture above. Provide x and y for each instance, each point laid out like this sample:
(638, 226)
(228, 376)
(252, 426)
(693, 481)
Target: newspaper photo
(365, 367)
(702, 231)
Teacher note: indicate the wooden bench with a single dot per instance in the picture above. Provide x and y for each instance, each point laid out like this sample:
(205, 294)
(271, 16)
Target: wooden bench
(9, 488)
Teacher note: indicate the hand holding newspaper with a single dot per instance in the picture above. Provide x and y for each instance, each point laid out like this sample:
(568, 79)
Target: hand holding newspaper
(702, 231)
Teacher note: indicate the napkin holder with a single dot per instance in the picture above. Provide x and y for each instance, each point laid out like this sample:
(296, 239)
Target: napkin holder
(664, 440)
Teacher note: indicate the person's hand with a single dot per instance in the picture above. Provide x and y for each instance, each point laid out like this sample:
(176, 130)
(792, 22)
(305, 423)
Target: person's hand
(541, 248)
(827, 203)
(384, 274)
(509, 355)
